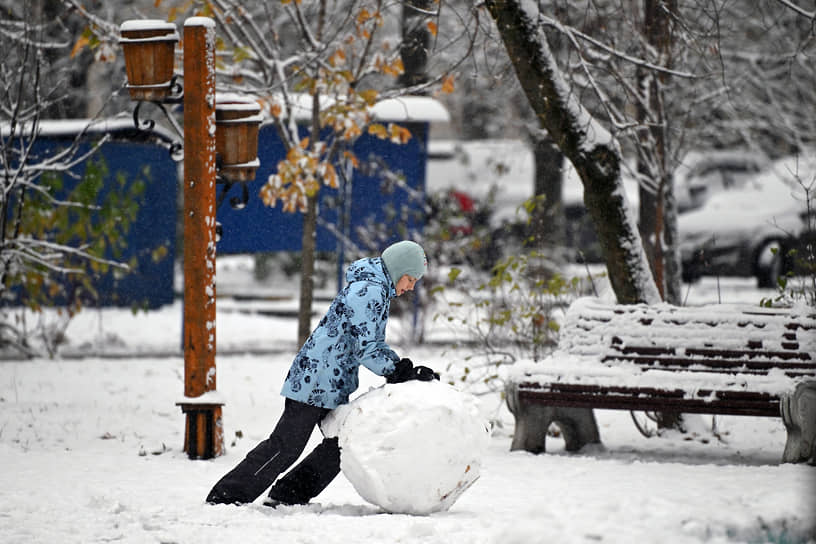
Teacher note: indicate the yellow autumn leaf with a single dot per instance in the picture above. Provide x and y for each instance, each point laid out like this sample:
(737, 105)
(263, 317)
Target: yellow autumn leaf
(447, 85)
(376, 129)
(304, 143)
(363, 16)
(369, 96)
(352, 158)
(352, 132)
(331, 176)
(80, 44)
(241, 53)
(399, 134)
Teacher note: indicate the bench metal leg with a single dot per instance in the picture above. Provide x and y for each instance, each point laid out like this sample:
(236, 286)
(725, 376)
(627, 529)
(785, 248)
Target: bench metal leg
(799, 414)
(578, 425)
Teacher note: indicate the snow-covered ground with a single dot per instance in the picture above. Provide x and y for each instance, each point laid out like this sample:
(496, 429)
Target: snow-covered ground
(90, 449)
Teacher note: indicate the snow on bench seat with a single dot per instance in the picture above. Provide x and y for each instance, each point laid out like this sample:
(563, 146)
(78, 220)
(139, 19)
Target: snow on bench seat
(718, 359)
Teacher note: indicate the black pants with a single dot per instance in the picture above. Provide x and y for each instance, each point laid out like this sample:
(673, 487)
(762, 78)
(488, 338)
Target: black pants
(261, 467)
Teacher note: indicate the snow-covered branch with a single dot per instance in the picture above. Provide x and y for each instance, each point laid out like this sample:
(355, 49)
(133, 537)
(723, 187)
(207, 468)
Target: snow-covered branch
(797, 9)
(576, 35)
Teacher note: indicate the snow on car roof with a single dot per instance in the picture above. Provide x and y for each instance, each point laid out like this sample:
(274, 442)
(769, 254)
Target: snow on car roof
(508, 165)
(772, 199)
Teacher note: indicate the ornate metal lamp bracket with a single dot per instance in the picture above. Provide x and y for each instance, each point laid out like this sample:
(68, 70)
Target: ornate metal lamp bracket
(176, 96)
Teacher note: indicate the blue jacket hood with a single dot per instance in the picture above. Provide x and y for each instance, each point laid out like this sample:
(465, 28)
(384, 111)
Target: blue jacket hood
(371, 269)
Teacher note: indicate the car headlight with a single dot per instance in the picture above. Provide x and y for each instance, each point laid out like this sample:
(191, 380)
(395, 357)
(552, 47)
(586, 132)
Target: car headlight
(691, 243)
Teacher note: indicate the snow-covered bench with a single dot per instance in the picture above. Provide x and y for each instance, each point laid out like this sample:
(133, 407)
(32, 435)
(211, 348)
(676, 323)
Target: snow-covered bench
(718, 359)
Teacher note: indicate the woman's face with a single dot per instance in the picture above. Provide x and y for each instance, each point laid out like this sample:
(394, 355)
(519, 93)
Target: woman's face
(405, 283)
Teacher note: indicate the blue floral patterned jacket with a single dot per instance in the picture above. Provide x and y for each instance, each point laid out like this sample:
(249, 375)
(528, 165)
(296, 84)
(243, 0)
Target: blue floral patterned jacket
(352, 333)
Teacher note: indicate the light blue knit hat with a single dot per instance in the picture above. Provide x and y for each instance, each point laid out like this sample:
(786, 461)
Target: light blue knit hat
(405, 257)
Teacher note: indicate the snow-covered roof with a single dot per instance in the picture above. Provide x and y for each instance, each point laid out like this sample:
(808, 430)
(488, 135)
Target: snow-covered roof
(69, 128)
(400, 109)
(411, 108)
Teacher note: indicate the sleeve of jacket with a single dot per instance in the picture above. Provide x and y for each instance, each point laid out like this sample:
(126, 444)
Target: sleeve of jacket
(368, 329)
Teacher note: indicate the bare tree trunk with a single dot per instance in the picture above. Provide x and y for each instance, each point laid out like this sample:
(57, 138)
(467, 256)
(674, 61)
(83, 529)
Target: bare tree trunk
(654, 208)
(307, 249)
(651, 112)
(592, 151)
(307, 270)
(548, 221)
(416, 39)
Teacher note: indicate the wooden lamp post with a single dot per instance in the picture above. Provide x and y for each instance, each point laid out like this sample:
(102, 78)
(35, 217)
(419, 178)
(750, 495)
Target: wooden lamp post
(147, 57)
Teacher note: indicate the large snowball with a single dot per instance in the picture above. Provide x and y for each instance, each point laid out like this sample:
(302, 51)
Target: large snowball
(410, 448)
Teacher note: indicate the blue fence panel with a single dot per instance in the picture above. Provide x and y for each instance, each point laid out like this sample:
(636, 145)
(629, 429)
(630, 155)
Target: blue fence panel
(386, 194)
(374, 200)
(133, 154)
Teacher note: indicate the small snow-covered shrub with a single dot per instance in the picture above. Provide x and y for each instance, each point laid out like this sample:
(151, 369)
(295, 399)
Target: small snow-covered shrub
(511, 314)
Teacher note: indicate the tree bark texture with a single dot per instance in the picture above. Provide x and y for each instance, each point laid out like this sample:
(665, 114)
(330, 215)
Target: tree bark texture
(416, 39)
(596, 161)
(307, 270)
(308, 245)
(548, 221)
(657, 217)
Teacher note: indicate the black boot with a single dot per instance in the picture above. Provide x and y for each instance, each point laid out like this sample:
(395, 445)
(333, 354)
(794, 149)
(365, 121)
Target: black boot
(247, 481)
(253, 475)
(309, 477)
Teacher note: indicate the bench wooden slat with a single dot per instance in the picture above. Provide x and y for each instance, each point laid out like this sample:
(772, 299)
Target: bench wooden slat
(649, 362)
(710, 353)
(534, 387)
(651, 404)
(747, 353)
(651, 399)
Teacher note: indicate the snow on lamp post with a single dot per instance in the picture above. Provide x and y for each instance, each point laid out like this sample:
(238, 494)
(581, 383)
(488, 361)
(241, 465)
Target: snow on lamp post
(147, 57)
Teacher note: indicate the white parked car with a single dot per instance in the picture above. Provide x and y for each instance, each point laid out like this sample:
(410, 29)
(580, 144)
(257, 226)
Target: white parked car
(749, 230)
(704, 173)
(501, 174)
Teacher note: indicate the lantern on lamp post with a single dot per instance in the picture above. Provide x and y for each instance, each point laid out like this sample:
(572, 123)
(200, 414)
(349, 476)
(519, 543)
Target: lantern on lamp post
(149, 47)
(237, 122)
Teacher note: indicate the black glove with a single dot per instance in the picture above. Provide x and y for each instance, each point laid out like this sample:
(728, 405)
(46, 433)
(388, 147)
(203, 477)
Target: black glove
(425, 374)
(403, 371)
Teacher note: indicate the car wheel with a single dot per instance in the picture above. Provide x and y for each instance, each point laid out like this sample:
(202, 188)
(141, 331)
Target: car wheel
(769, 264)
